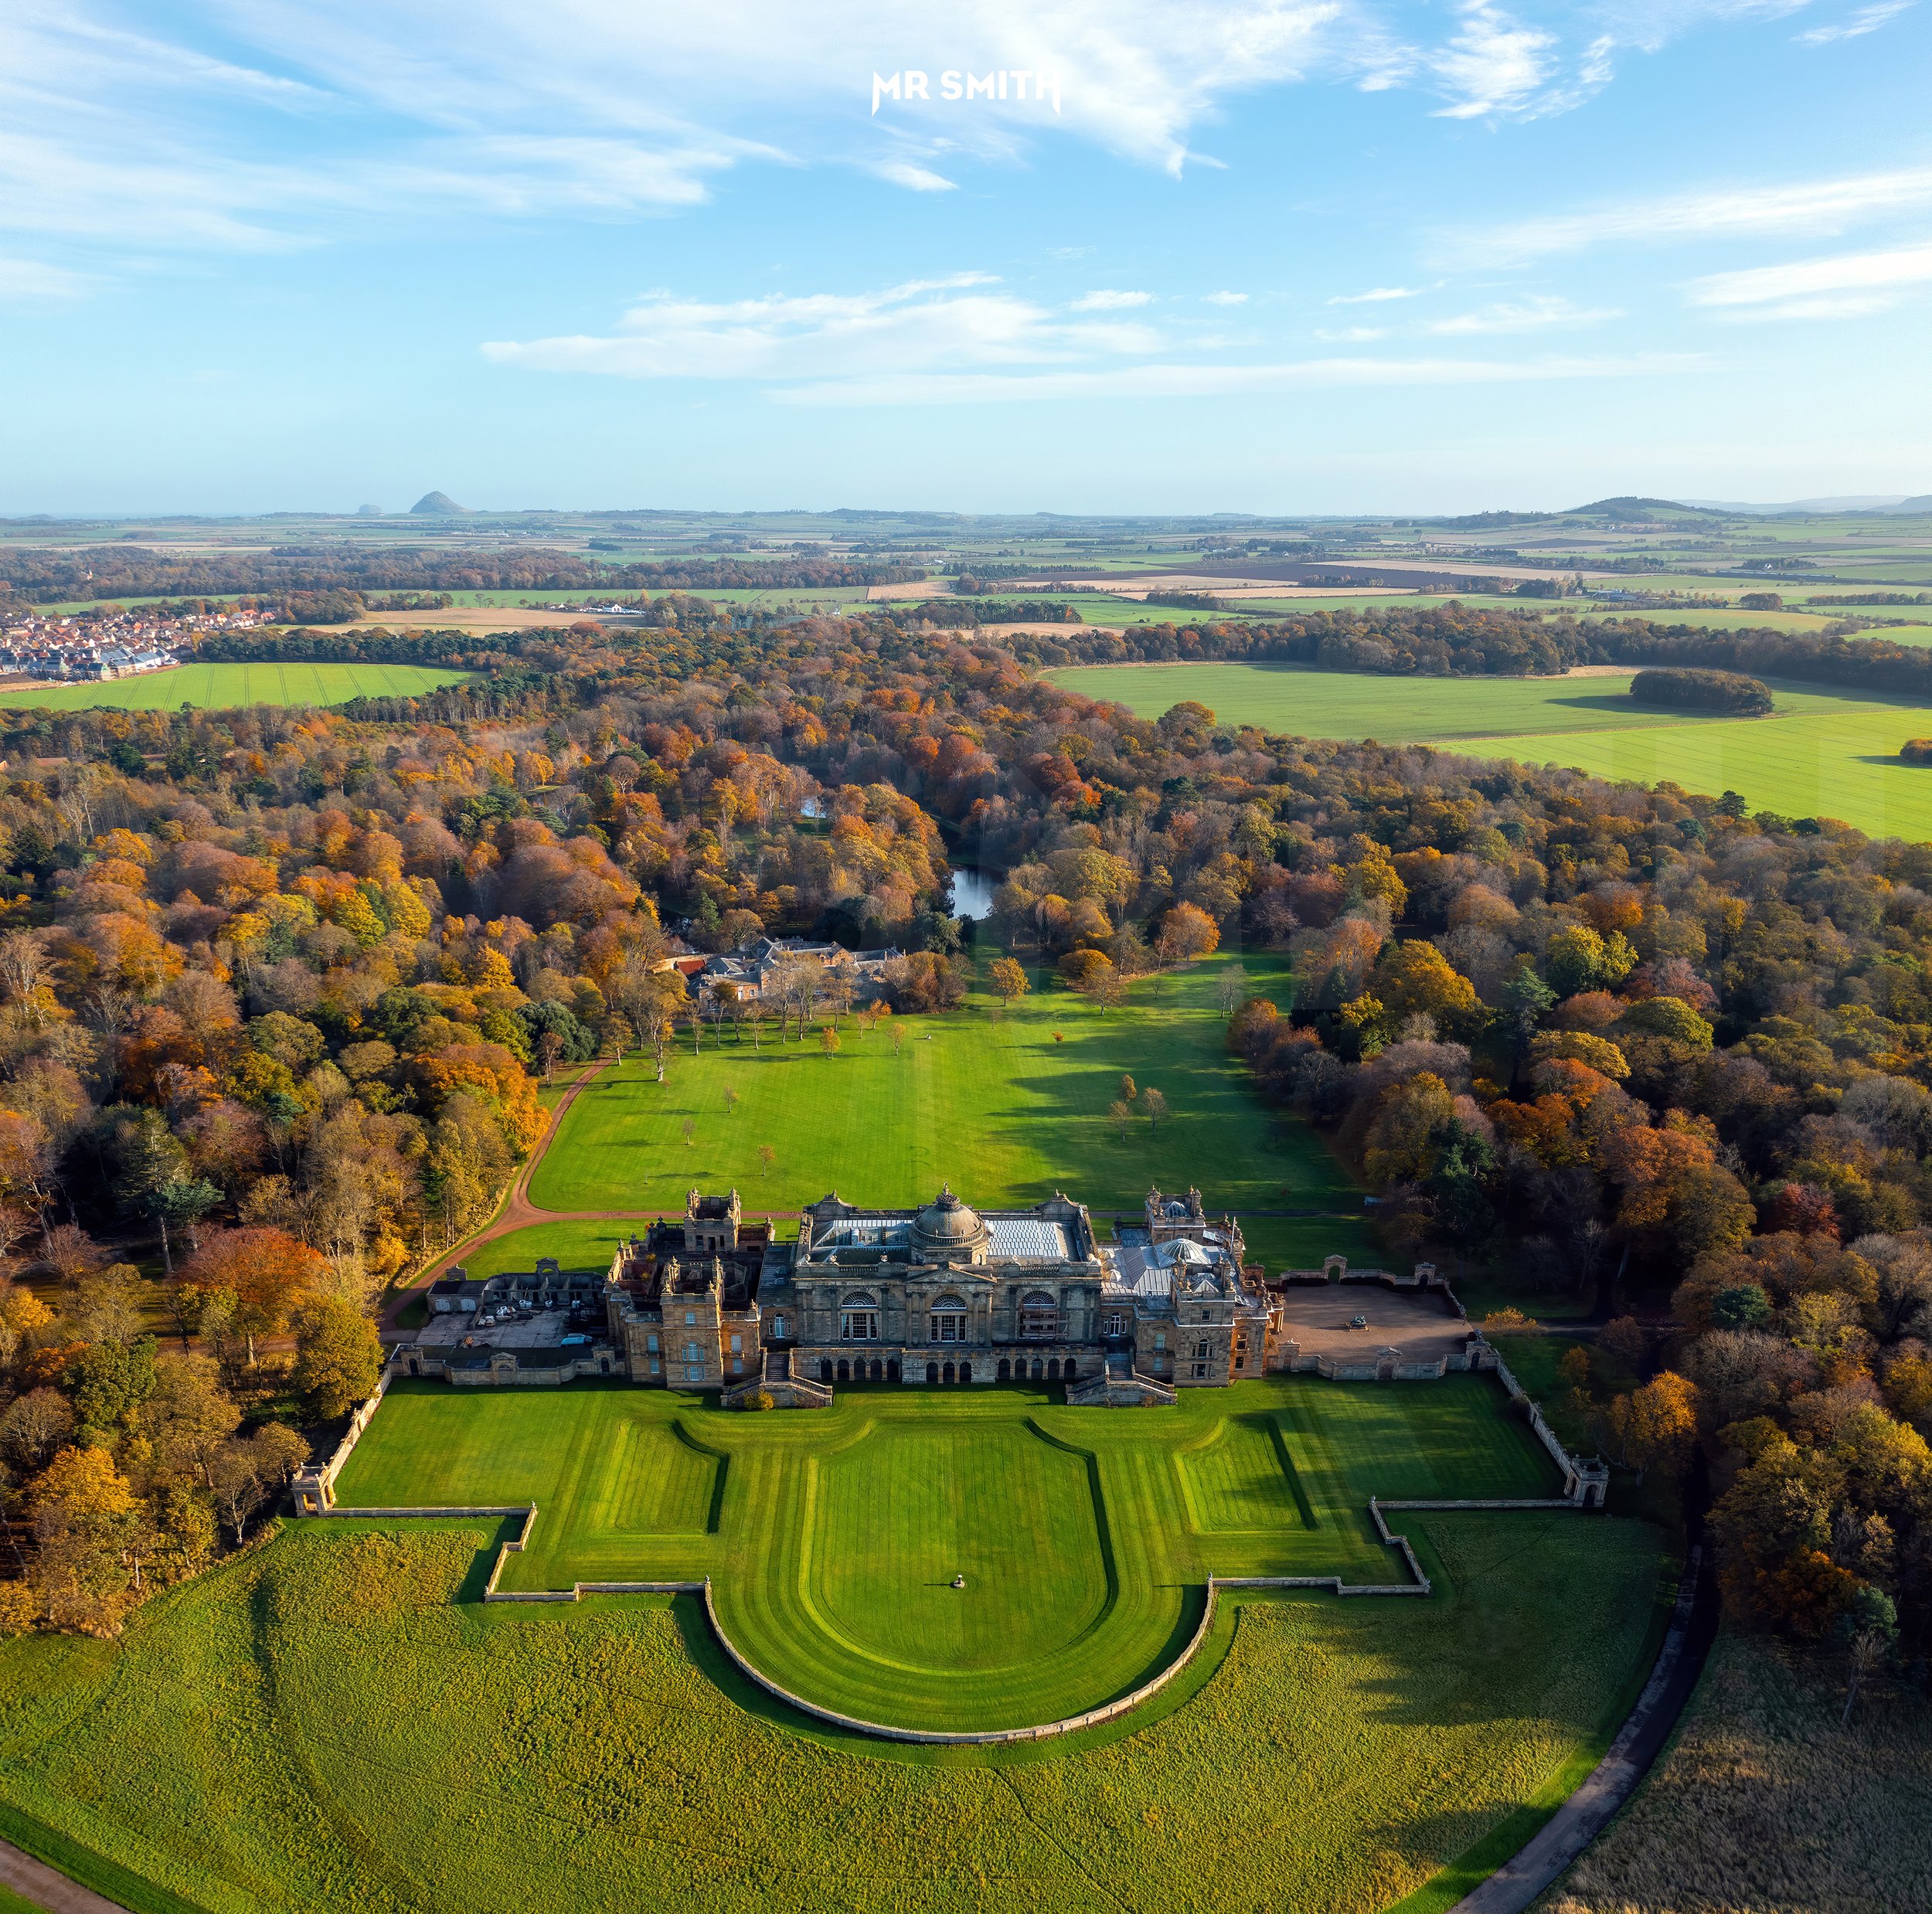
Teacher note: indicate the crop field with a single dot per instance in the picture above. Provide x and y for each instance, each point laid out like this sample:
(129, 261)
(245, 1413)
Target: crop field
(332, 1725)
(1007, 1111)
(223, 687)
(1818, 755)
(833, 1537)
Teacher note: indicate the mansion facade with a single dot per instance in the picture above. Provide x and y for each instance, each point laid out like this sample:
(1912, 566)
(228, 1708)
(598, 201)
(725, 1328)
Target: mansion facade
(942, 1295)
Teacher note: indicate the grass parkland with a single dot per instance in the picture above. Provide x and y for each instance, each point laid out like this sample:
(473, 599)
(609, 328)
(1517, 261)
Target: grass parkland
(1011, 1109)
(1819, 753)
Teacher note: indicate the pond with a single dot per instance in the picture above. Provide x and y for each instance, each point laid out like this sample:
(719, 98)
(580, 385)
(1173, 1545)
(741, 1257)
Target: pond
(973, 891)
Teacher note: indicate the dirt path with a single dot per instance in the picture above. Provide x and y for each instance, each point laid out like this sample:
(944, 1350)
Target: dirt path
(35, 1881)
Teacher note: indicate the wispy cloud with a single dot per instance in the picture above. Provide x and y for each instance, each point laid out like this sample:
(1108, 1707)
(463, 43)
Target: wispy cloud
(917, 326)
(34, 279)
(1855, 25)
(1225, 298)
(1523, 315)
(1168, 381)
(1350, 335)
(1800, 206)
(903, 173)
(1376, 295)
(1111, 301)
(1847, 287)
(1493, 64)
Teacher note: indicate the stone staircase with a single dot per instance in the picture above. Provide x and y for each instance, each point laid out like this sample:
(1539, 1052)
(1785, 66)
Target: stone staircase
(1120, 1385)
(786, 1390)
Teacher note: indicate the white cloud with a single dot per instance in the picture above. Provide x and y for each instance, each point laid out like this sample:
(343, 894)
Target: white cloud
(1225, 299)
(1521, 315)
(919, 326)
(1375, 295)
(1849, 286)
(1495, 64)
(1351, 334)
(900, 172)
(33, 279)
(1109, 301)
(1817, 205)
(1165, 381)
(1854, 26)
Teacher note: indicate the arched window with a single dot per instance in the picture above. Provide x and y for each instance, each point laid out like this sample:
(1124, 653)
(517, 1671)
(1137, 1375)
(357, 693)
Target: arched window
(845, 1371)
(824, 1369)
(1005, 1370)
(891, 1371)
(949, 1372)
(1037, 1371)
(932, 1372)
(878, 1370)
(1071, 1372)
(1039, 1315)
(948, 1319)
(858, 1318)
(1053, 1369)
(965, 1372)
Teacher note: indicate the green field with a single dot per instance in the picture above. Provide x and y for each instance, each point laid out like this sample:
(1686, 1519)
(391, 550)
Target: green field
(222, 687)
(1819, 755)
(1002, 1110)
(333, 1726)
(832, 1537)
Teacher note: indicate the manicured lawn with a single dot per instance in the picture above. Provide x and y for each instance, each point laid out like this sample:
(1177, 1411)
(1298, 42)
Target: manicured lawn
(1007, 1111)
(220, 687)
(833, 1536)
(332, 1726)
(1818, 756)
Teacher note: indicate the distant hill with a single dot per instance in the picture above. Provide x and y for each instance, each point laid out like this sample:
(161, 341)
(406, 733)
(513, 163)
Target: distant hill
(1917, 506)
(437, 505)
(1639, 509)
(1852, 501)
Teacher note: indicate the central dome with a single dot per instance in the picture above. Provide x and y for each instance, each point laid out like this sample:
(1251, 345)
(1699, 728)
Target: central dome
(946, 1223)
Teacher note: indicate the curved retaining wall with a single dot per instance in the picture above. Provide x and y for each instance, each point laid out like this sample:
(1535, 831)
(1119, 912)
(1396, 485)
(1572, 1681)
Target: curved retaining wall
(1093, 1717)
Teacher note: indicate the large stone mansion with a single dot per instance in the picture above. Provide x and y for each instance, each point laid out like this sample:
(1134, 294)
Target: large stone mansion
(941, 1296)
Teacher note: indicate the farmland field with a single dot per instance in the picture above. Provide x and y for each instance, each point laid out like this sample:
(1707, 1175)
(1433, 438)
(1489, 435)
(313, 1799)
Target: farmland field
(833, 1537)
(222, 687)
(332, 1725)
(1007, 1112)
(1818, 755)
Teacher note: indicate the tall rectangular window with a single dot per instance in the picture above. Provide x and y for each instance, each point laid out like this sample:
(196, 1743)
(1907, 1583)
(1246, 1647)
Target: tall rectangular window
(948, 1327)
(858, 1325)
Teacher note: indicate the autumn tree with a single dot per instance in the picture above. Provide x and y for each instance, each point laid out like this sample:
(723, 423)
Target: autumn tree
(268, 1273)
(1008, 979)
(338, 1357)
(1187, 932)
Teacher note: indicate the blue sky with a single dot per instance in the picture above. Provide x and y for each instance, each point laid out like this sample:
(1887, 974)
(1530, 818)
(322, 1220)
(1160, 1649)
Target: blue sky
(1273, 256)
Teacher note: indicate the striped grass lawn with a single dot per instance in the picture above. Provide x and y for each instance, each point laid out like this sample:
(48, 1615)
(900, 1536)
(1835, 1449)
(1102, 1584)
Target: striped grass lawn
(1007, 1111)
(222, 687)
(833, 1536)
(1819, 755)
